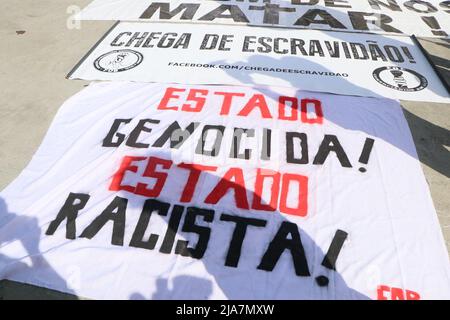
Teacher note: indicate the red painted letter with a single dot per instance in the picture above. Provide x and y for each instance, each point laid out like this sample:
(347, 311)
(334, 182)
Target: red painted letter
(282, 108)
(259, 187)
(167, 96)
(257, 101)
(199, 101)
(317, 108)
(227, 98)
(118, 176)
(380, 292)
(233, 179)
(302, 206)
(194, 175)
(160, 177)
(411, 295)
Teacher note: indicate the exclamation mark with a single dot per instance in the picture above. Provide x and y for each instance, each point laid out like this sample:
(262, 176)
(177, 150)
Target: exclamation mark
(408, 54)
(433, 24)
(365, 154)
(329, 261)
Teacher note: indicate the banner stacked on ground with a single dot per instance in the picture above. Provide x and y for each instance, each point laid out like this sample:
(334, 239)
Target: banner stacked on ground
(155, 191)
(426, 18)
(335, 62)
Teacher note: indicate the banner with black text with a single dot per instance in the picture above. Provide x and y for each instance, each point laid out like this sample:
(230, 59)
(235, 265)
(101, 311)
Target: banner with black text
(216, 192)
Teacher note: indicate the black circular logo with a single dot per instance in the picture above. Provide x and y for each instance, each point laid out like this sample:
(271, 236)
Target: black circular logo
(118, 61)
(400, 79)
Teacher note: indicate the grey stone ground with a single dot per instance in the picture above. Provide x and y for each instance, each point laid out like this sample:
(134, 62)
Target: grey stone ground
(37, 51)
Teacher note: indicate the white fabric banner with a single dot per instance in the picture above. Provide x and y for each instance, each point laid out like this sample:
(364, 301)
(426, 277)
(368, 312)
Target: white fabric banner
(335, 62)
(423, 18)
(288, 195)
